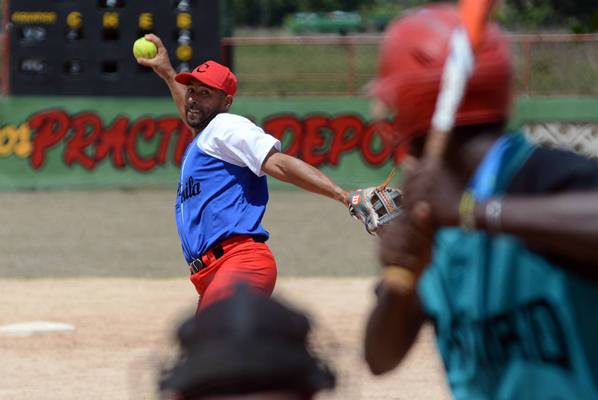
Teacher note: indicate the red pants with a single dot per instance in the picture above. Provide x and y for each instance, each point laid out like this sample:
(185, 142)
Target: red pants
(243, 261)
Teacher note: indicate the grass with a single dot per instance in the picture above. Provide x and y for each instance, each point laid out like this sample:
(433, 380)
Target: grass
(291, 69)
(301, 69)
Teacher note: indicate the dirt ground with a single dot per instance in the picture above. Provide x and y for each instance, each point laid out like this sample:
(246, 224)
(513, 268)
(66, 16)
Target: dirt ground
(109, 263)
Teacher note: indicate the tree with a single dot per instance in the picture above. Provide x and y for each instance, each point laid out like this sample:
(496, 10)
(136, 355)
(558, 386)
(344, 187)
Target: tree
(579, 16)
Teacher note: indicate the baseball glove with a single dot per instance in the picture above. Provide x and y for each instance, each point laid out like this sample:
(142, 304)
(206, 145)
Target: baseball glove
(375, 206)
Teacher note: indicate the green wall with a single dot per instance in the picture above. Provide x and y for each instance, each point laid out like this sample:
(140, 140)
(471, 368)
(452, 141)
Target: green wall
(66, 142)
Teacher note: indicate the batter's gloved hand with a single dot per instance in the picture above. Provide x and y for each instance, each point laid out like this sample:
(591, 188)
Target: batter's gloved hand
(374, 206)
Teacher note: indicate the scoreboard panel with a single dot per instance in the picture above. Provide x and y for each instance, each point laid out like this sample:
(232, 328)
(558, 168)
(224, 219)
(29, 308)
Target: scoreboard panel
(68, 47)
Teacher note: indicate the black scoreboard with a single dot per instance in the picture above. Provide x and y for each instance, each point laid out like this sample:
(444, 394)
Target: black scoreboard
(84, 47)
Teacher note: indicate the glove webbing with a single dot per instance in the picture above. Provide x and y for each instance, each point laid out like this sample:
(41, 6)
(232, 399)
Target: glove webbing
(386, 200)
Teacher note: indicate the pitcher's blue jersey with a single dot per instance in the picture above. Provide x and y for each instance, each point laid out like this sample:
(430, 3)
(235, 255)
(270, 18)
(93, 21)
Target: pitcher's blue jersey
(510, 324)
(222, 191)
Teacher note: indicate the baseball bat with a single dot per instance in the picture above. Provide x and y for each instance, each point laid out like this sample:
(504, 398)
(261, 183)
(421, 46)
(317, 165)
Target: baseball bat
(456, 71)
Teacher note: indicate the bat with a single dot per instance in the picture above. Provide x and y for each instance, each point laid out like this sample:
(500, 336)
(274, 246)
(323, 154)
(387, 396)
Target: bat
(457, 69)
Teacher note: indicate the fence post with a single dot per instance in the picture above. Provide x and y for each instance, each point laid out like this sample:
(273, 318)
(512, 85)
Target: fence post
(226, 52)
(350, 45)
(5, 67)
(526, 66)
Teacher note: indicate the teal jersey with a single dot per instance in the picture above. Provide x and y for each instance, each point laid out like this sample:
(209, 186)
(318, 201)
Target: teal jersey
(510, 324)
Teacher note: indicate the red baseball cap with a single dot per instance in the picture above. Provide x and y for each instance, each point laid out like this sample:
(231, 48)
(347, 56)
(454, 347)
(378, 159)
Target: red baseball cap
(211, 74)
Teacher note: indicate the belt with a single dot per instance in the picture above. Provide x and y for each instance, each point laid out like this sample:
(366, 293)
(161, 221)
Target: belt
(219, 249)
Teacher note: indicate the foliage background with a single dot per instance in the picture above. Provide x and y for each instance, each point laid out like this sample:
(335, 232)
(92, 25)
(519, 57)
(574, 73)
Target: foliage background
(517, 15)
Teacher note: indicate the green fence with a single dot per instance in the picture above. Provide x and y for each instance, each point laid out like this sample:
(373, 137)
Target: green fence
(53, 143)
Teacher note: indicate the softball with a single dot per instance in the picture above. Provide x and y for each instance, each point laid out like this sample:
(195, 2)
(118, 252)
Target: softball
(143, 48)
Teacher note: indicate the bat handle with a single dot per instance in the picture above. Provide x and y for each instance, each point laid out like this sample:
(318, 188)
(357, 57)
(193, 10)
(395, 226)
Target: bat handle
(436, 144)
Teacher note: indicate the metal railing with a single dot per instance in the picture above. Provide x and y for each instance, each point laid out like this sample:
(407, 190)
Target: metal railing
(342, 65)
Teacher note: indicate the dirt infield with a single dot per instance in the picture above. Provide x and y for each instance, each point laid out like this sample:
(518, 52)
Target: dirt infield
(109, 263)
(132, 234)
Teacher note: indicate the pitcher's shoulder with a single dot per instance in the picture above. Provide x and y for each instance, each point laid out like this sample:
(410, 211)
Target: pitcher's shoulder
(228, 119)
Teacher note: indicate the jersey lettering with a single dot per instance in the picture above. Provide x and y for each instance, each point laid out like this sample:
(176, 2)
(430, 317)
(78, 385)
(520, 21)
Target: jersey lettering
(190, 189)
(531, 332)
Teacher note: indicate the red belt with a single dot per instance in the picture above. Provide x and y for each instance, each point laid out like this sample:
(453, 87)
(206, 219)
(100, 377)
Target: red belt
(219, 249)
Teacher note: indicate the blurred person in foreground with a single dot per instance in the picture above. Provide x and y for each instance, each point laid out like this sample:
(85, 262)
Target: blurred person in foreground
(498, 242)
(247, 346)
(223, 192)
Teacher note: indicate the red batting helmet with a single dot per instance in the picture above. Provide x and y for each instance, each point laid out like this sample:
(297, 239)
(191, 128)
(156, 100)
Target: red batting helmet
(410, 68)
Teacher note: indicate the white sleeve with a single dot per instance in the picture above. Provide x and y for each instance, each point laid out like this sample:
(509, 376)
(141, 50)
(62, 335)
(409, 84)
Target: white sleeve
(238, 141)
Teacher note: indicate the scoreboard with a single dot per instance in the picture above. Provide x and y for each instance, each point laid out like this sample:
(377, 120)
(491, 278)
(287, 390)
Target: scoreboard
(84, 47)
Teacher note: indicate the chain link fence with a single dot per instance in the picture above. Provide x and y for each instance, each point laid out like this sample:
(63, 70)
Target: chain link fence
(296, 66)
(333, 65)
(556, 64)
(561, 65)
